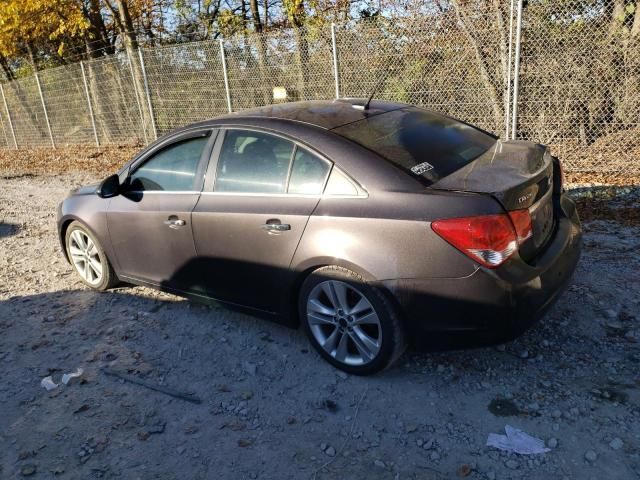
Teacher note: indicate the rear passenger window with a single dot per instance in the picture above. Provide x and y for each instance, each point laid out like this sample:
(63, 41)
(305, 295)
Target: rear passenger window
(253, 162)
(308, 173)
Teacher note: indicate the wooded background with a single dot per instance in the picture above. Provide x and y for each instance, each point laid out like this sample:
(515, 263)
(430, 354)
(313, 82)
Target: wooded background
(124, 71)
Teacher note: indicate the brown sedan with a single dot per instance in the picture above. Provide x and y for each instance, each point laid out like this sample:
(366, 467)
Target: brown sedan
(374, 225)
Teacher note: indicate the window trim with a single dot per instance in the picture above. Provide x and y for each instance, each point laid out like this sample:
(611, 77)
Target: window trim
(290, 168)
(209, 187)
(362, 193)
(329, 163)
(212, 169)
(203, 162)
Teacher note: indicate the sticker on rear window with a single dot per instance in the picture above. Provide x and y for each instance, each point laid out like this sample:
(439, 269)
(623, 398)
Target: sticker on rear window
(422, 168)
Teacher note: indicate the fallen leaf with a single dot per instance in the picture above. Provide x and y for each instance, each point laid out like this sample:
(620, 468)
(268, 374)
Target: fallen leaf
(464, 470)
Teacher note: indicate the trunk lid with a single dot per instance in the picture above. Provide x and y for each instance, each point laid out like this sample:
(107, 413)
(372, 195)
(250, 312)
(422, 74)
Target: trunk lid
(519, 175)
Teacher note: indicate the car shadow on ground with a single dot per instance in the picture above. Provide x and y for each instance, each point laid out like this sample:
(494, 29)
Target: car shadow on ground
(127, 326)
(453, 320)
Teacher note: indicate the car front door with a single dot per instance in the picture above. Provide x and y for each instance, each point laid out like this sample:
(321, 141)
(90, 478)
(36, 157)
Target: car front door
(253, 211)
(150, 222)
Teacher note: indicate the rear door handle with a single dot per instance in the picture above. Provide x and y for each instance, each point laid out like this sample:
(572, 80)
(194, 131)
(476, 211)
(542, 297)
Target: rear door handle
(174, 222)
(274, 225)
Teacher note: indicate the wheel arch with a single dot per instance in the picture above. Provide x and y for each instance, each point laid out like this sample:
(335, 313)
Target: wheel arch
(64, 226)
(62, 233)
(308, 267)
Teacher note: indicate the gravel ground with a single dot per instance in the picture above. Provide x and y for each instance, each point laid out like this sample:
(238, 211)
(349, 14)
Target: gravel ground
(271, 408)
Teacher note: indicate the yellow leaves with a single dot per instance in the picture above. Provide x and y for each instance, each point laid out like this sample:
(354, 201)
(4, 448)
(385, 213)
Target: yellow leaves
(293, 7)
(207, 4)
(229, 22)
(28, 21)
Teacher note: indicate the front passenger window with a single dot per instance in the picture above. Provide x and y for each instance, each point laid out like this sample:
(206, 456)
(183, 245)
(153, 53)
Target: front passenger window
(174, 168)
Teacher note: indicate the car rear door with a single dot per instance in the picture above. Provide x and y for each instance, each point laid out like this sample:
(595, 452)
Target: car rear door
(150, 222)
(260, 191)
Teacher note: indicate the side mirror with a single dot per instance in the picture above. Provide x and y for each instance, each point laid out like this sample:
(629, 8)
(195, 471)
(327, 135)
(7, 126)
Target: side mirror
(110, 187)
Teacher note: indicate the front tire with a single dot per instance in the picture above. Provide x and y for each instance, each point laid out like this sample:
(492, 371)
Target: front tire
(349, 322)
(88, 258)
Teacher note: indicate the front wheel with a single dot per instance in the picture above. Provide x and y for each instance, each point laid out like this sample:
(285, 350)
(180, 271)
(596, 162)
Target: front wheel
(349, 322)
(88, 258)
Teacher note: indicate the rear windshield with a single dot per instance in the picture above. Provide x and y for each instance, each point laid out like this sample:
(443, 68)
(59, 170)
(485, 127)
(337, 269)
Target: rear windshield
(423, 143)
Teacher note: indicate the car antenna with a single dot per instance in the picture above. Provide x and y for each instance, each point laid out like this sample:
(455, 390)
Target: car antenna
(375, 89)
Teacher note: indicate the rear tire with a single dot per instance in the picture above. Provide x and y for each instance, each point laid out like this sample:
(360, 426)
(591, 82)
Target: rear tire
(351, 323)
(88, 258)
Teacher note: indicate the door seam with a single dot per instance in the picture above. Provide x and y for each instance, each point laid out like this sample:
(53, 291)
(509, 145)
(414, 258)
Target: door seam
(304, 229)
(193, 234)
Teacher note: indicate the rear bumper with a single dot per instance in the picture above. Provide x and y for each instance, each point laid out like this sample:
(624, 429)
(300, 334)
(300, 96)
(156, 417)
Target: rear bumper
(491, 306)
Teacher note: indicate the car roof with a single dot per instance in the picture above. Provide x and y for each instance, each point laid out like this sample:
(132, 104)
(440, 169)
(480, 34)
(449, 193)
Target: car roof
(326, 114)
(310, 122)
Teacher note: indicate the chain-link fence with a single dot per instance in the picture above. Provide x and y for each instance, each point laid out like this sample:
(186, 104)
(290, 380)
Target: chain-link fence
(427, 61)
(580, 82)
(562, 73)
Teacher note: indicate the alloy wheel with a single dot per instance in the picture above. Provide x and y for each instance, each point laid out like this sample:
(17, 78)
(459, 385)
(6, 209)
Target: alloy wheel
(344, 323)
(85, 257)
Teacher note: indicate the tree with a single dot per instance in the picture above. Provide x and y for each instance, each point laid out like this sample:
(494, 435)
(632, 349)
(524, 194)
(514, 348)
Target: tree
(297, 16)
(26, 24)
(124, 22)
(494, 79)
(99, 41)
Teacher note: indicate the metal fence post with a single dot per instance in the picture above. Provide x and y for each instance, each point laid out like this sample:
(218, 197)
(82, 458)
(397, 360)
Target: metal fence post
(146, 87)
(516, 78)
(86, 91)
(226, 78)
(336, 75)
(4, 131)
(44, 107)
(6, 108)
(507, 100)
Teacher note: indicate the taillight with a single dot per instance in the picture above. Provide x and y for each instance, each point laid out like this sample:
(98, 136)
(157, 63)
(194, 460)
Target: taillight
(487, 239)
(521, 220)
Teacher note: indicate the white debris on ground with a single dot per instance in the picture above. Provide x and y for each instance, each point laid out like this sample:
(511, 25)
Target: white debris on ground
(271, 408)
(48, 383)
(516, 441)
(67, 377)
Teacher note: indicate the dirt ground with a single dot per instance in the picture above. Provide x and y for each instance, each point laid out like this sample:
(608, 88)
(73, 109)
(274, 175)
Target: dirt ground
(271, 408)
